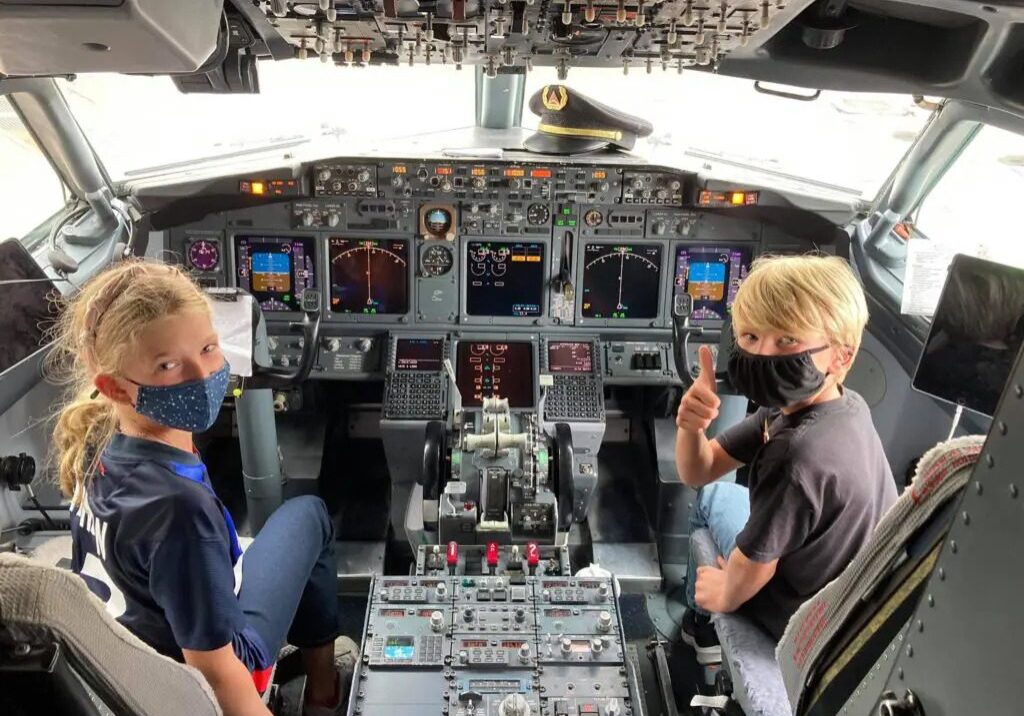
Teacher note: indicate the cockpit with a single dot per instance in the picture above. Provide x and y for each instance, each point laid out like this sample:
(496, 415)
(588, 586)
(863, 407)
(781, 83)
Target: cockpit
(465, 356)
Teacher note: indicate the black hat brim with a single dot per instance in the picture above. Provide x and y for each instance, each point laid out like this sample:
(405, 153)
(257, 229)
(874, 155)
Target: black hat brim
(541, 143)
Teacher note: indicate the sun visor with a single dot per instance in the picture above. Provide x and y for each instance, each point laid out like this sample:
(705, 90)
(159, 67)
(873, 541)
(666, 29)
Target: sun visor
(54, 37)
(232, 319)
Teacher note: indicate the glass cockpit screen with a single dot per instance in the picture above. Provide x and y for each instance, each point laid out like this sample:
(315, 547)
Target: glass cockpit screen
(502, 369)
(570, 357)
(275, 269)
(419, 354)
(369, 276)
(504, 278)
(711, 275)
(621, 281)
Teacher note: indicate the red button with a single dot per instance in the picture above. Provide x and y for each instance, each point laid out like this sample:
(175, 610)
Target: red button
(453, 553)
(532, 554)
(492, 554)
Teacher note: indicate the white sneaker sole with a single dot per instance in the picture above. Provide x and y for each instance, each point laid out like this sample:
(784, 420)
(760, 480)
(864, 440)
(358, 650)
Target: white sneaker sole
(706, 655)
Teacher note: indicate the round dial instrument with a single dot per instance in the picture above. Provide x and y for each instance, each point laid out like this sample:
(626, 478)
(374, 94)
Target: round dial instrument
(538, 214)
(437, 260)
(438, 221)
(593, 218)
(204, 255)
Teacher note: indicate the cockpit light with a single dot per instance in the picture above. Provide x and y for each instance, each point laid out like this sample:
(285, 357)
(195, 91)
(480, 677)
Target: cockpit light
(728, 198)
(269, 187)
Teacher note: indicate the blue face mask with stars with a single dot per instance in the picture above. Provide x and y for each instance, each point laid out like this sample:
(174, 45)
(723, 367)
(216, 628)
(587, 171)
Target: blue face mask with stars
(192, 406)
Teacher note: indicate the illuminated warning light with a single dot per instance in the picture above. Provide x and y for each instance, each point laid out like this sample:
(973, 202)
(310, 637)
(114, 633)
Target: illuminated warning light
(518, 259)
(443, 171)
(730, 198)
(258, 188)
(737, 198)
(452, 553)
(479, 171)
(533, 259)
(532, 554)
(399, 169)
(600, 175)
(492, 554)
(541, 173)
(515, 172)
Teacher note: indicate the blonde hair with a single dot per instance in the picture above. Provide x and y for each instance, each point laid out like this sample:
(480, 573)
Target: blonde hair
(93, 336)
(803, 294)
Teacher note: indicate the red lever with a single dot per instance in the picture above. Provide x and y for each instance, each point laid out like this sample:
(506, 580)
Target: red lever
(492, 554)
(532, 554)
(453, 554)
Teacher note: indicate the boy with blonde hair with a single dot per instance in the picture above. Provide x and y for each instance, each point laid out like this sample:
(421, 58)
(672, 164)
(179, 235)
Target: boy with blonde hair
(819, 480)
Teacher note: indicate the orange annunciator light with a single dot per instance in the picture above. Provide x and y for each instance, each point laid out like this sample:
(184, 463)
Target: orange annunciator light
(540, 173)
(258, 187)
(737, 198)
(479, 171)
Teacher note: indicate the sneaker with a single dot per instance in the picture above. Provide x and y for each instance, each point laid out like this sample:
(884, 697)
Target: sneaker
(346, 652)
(699, 633)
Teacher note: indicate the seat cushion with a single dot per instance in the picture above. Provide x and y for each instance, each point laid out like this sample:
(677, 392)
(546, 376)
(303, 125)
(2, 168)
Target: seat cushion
(748, 651)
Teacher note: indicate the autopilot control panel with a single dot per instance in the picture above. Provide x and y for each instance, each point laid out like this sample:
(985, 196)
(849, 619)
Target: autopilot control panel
(514, 645)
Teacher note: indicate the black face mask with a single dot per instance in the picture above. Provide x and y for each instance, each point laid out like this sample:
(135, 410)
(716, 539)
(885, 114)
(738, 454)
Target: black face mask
(776, 381)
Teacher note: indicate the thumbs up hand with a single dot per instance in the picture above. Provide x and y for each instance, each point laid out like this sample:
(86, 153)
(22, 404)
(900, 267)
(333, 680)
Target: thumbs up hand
(699, 406)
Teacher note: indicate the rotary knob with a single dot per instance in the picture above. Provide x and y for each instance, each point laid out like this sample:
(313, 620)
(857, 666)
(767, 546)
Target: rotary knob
(397, 181)
(638, 184)
(353, 186)
(324, 174)
(421, 174)
(566, 644)
(446, 186)
(467, 614)
(525, 652)
(308, 219)
(363, 345)
(463, 657)
(479, 183)
(514, 184)
(599, 187)
(520, 614)
(658, 227)
(337, 185)
(436, 620)
(333, 345)
(514, 705)
(363, 177)
(596, 646)
(441, 590)
(604, 622)
(602, 591)
(333, 219)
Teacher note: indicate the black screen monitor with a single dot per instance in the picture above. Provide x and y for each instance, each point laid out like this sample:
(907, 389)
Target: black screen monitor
(711, 276)
(425, 354)
(504, 278)
(369, 276)
(488, 369)
(975, 335)
(621, 281)
(570, 357)
(275, 269)
(29, 309)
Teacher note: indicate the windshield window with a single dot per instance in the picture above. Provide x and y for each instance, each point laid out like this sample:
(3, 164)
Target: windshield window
(31, 189)
(843, 142)
(971, 210)
(140, 124)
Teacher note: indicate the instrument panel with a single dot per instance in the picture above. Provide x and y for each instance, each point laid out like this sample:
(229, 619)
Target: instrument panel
(495, 251)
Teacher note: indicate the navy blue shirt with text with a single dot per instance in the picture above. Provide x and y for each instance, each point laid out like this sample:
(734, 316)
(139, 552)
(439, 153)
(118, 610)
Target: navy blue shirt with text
(154, 543)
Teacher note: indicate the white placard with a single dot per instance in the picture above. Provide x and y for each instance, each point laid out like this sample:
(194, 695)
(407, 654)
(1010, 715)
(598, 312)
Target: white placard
(927, 264)
(233, 323)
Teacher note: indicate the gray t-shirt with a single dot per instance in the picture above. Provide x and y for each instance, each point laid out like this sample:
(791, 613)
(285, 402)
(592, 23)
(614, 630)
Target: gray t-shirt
(818, 488)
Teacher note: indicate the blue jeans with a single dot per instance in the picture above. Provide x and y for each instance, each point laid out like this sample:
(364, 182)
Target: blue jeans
(289, 577)
(722, 508)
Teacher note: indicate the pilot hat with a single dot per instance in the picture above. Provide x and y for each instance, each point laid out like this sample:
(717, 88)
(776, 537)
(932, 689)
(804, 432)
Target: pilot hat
(571, 123)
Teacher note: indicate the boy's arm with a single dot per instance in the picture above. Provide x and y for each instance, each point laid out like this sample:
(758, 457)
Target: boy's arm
(731, 584)
(231, 682)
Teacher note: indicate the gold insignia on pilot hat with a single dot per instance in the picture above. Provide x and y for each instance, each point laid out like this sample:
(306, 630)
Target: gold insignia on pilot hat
(555, 98)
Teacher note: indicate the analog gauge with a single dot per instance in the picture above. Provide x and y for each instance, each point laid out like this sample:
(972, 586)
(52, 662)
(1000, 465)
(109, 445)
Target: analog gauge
(593, 218)
(438, 221)
(437, 260)
(204, 255)
(538, 214)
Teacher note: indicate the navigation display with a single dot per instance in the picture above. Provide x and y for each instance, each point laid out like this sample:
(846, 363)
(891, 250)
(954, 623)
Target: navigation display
(621, 281)
(419, 354)
(369, 276)
(711, 275)
(275, 269)
(504, 278)
(570, 357)
(489, 369)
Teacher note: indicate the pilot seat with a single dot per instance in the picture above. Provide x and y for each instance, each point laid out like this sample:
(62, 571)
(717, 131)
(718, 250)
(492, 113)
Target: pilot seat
(836, 638)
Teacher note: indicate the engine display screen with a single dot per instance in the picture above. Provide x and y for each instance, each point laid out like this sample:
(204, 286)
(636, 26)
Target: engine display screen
(275, 269)
(711, 275)
(369, 276)
(399, 648)
(621, 281)
(502, 369)
(419, 354)
(570, 357)
(504, 278)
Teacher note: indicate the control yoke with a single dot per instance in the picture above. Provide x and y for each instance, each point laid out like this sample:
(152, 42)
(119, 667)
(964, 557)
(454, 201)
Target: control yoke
(688, 370)
(279, 378)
